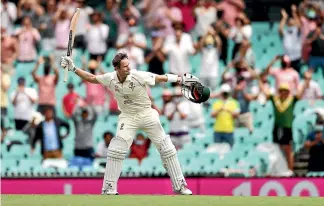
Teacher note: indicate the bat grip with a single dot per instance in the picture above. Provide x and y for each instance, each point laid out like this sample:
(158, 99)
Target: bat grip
(65, 74)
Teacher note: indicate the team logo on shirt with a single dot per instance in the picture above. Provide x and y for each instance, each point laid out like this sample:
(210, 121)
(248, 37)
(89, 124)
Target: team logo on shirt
(131, 86)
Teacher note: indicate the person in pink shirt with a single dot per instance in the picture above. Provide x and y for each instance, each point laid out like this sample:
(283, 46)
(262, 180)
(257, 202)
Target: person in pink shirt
(186, 7)
(232, 10)
(284, 75)
(28, 37)
(62, 28)
(46, 83)
(69, 101)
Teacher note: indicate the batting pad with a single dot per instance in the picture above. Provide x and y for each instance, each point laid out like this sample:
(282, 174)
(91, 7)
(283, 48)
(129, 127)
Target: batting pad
(114, 165)
(171, 163)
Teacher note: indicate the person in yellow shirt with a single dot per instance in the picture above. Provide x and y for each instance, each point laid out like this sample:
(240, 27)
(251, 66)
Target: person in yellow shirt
(5, 84)
(225, 110)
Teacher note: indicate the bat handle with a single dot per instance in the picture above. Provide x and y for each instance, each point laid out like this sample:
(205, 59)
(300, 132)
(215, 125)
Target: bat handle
(65, 74)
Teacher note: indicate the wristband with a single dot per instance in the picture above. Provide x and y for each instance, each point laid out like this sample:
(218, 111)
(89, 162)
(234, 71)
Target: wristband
(172, 78)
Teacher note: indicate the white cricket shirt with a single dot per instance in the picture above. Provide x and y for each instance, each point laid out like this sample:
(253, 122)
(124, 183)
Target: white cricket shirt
(131, 95)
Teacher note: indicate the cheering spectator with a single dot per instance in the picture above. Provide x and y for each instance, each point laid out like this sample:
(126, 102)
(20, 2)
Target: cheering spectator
(309, 89)
(210, 45)
(102, 147)
(179, 48)
(225, 110)
(284, 75)
(291, 37)
(97, 34)
(28, 37)
(108, 19)
(10, 46)
(69, 101)
(315, 144)
(232, 9)
(186, 8)
(5, 84)
(177, 112)
(205, 13)
(47, 27)
(246, 54)
(135, 54)
(23, 100)
(283, 102)
(139, 148)
(67, 5)
(46, 83)
(84, 119)
(62, 29)
(48, 133)
(80, 32)
(8, 15)
(154, 57)
(265, 84)
(31, 9)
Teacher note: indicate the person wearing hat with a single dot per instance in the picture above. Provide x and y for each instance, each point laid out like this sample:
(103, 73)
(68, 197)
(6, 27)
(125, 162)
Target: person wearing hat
(315, 145)
(225, 111)
(23, 100)
(283, 102)
(69, 101)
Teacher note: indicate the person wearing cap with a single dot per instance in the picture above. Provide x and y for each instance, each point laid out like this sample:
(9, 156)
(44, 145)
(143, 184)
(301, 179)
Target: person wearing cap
(69, 101)
(283, 102)
(225, 111)
(284, 75)
(315, 145)
(23, 100)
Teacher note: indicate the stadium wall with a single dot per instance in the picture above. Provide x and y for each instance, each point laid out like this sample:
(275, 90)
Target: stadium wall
(201, 186)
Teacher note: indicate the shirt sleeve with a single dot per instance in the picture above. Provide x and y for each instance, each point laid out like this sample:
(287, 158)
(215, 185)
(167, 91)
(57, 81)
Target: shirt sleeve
(318, 91)
(148, 77)
(104, 79)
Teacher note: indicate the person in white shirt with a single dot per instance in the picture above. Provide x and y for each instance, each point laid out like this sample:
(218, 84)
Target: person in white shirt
(130, 89)
(205, 13)
(135, 54)
(179, 48)
(309, 89)
(102, 147)
(8, 12)
(96, 37)
(177, 112)
(23, 100)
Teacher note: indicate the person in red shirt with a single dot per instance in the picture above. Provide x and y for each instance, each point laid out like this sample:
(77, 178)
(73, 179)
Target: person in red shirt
(69, 101)
(140, 147)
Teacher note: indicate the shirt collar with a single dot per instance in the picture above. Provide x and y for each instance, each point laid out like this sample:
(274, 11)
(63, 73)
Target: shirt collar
(128, 78)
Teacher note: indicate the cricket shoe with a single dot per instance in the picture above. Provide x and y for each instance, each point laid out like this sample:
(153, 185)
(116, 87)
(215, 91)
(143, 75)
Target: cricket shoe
(183, 191)
(106, 192)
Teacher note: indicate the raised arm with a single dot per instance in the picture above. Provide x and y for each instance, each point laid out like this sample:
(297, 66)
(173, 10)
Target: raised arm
(283, 21)
(35, 76)
(272, 63)
(296, 16)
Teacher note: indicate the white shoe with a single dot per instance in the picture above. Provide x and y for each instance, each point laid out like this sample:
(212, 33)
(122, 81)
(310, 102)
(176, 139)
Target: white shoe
(106, 192)
(183, 191)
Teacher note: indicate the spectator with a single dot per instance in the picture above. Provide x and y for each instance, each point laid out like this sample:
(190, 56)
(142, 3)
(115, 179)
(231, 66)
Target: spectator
(309, 89)
(109, 20)
(232, 9)
(84, 120)
(241, 31)
(8, 15)
(179, 48)
(264, 83)
(186, 7)
(246, 54)
(210, 45)
(28, 37)
(205, 13)
(315, 144)
(102, 147)
(10, 45)
(139, 148)
(80, 32)
(154, 57)
(284, 102)
(177, 111)
(48, 133)
(31, 9)
(113, 107)
(62, 29)
(122, 21)
(244, 96)
(69, 101)
(225, 110)
(291, 37)
(138, 37)
(149, 10)
(196, 119)
(166, 98)
(46, 83)
(67, 5)
(284, 75)
(135, 54)
(95, 93)
(316, 40)
(23, 100)
(97, 34)
(47, 27)
(223, 30)
(5, 84)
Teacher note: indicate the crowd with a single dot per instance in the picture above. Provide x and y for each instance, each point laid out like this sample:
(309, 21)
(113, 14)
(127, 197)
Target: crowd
(151, 33)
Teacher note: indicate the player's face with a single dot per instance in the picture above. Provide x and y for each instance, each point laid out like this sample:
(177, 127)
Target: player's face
(124, 68)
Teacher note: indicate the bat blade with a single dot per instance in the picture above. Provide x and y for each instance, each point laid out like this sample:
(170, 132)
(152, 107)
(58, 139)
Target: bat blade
(71, 38)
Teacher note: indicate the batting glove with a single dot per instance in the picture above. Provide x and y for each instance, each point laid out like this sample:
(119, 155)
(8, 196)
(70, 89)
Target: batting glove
(68, 62)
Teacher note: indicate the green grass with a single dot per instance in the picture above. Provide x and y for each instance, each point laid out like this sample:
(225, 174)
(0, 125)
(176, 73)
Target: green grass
(134, 200)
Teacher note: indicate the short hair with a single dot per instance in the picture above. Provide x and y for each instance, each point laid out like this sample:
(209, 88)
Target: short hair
(108, 133)
(117, 59)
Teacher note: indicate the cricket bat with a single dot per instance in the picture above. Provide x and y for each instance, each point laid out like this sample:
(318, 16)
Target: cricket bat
(71, 39)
